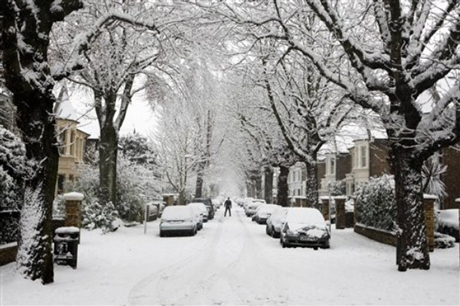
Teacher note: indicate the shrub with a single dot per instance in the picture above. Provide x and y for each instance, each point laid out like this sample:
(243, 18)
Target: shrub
(376, 203)
(100, 216)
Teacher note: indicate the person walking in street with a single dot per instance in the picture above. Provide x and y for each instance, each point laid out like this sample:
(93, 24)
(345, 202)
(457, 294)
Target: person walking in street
(228, 207)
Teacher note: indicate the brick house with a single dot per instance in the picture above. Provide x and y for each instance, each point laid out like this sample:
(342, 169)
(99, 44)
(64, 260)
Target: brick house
(366, 159)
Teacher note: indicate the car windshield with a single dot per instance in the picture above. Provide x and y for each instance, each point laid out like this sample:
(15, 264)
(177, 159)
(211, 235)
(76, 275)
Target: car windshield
(177, 213)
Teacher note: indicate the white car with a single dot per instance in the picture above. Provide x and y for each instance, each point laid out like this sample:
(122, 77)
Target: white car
(202, 209)
(275, 221)
(305, 226)
(264, 212)
(251, 208)
(178, 219)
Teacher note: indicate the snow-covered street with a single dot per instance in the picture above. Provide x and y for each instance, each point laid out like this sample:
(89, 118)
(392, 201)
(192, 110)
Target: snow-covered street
(233, 261)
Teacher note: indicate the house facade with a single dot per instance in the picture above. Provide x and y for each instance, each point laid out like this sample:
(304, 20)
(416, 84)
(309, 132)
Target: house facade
(296, 180)
(72, 143)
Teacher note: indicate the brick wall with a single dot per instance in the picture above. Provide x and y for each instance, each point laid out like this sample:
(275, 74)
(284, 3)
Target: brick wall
(376, 234)
(451, 158)
(378, 157)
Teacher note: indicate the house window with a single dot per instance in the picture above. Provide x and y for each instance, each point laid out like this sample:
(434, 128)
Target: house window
(363, 157)
(61, 138)
(72, 143)
(332, 165)
(60, 184)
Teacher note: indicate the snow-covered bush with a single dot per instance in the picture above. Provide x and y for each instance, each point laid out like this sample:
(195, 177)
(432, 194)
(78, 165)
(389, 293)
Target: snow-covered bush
(13, 169)
(100, 216)
(443, 241)
(13, 166)
(337, 188)
(376, 203)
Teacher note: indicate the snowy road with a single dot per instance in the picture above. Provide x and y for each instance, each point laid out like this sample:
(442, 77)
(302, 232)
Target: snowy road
(232, 261)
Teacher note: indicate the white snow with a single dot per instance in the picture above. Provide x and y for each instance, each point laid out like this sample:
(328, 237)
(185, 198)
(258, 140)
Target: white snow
(233, 262)
(73, 196)
(449, 217)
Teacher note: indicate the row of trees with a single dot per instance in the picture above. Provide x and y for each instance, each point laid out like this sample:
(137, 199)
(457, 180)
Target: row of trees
(387, 57)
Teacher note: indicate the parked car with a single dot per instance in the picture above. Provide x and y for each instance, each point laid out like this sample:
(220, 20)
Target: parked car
(305, 226)
(275, 221)
(178, 220)
(251, 208)
(263, 212)
(202, 209)
(198, 215)
(209, 206)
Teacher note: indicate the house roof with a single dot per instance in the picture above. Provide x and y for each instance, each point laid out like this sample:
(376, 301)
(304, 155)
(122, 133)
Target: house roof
(63, 108)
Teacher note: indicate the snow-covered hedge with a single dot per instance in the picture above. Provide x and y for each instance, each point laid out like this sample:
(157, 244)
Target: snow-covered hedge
(376, 203)
(100, 216)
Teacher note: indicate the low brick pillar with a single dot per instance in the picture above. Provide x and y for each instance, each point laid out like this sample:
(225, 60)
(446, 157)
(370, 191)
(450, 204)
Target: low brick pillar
(340, 218)
(73, 209)
(325, 207)
(428, 205)
(168, 199)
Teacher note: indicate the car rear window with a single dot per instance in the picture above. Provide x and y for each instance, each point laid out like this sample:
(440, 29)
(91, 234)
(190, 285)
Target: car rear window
(177, 213)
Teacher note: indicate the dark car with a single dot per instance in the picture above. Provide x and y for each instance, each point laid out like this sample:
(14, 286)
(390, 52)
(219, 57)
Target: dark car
(305, 227)
(209, 206)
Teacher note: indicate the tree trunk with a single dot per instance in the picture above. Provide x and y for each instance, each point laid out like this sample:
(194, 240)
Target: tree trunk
(108, 152)
(199, 180)
(311, 188)
(283, 187)
(258, 186)
(413, 245)
(268, 186)
(35, 259)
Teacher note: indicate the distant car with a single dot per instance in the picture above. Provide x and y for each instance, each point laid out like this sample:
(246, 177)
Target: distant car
(178, 220)
(263, 212)
(305, 226)
(251, 208)
(209, 206)
(275, 221)
(202, 209)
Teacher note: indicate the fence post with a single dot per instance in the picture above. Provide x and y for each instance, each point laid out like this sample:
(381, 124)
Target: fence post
(73, 209)
(428, 205)
(340, 219)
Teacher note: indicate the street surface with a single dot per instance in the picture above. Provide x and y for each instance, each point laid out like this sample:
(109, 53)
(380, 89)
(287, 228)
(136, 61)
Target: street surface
(233, 262)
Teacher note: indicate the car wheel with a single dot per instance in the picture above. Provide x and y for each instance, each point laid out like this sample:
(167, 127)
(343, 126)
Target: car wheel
(162, 234)
(315, 248)
(267, 230)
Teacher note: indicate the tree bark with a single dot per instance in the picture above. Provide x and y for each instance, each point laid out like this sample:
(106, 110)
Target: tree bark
(283, 187)
(268, 186)
(108, 152)
(199, 181)
(413, 245)
(312, 186)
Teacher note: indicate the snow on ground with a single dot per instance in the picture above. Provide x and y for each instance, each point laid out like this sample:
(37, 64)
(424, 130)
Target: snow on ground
(233, 261)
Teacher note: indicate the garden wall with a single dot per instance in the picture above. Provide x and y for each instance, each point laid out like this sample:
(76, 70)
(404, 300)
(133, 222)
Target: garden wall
(376, 234)
(8, 253)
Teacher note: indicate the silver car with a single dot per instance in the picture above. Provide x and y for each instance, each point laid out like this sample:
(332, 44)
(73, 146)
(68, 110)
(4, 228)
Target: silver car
(178, 220)
(274, 222)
